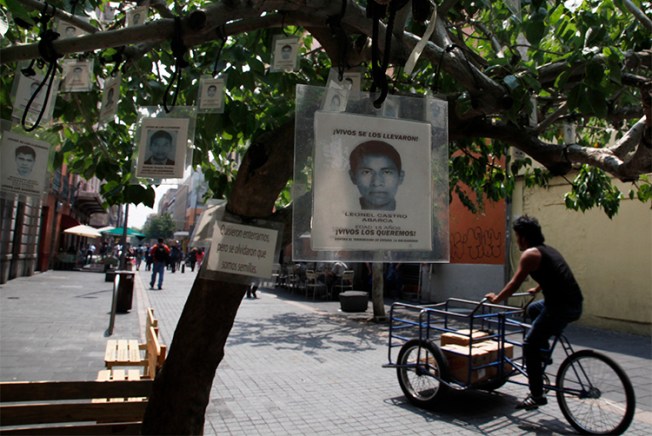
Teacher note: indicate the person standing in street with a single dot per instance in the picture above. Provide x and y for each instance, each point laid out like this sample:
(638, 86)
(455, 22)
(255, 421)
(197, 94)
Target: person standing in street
(561, 305)
(160, 254)
(200, 256)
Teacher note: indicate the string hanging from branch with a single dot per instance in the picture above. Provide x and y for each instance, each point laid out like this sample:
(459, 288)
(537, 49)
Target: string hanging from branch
(221, 33)
(178, 51)
(49, 55)
(377, 10)
(335, 24)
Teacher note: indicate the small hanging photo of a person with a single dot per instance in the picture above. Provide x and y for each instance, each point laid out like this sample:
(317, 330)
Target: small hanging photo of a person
(286, 51)
(336, 102)
(25, 159)
(160, 148)
(376, 170)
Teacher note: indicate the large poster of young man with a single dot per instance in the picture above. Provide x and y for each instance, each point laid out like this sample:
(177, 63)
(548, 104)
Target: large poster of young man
(372, 183)
(162, 147)
(24, 164)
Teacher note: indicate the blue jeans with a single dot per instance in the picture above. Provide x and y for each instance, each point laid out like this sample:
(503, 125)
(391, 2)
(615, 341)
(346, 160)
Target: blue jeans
(544, 326)
(157, 268)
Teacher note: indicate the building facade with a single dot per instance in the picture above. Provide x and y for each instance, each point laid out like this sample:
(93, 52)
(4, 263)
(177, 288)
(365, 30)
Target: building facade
(32, 234)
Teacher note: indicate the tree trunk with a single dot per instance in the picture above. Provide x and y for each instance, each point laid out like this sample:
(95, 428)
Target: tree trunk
(377, 285)
(181, 390)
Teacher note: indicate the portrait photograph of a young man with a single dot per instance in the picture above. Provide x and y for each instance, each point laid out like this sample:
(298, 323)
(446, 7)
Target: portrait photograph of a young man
(211, 94)
(372, 183)
(162, 147)
(285, 54)
(24, 164)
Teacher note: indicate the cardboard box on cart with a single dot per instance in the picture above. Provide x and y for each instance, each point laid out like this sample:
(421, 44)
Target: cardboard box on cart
(463, 337)
(461, 357)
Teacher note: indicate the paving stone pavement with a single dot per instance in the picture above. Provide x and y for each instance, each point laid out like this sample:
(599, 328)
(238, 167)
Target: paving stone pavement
(292, 366)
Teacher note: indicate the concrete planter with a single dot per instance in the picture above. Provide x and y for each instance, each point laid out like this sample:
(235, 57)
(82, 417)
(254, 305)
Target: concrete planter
(354, 301)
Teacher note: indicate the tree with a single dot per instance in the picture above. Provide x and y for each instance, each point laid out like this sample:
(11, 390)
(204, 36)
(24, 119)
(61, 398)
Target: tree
(159, 226)
(514, 74)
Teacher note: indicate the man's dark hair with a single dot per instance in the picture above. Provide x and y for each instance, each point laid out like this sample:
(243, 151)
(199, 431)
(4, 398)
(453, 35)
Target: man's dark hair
(160, 240)
(374, 148)
(25, 149)
(161, 134)
(529, 228)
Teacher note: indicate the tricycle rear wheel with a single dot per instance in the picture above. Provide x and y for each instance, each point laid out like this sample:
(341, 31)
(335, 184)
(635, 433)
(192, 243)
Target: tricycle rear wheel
(421, 369)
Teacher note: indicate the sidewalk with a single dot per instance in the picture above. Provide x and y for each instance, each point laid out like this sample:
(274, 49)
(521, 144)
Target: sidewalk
(292, 366)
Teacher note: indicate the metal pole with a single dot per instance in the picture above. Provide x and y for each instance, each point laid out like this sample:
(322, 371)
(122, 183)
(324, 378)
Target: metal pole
(123, 253)
(114, 305)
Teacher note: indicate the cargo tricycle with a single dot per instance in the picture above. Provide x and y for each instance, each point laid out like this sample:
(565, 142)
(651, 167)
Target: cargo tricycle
(461, 344)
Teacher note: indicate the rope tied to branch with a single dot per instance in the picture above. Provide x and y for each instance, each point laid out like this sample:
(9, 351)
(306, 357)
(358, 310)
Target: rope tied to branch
(178, 51)
(221, 33)
(49, 55)
(377, 10)
(335, 24)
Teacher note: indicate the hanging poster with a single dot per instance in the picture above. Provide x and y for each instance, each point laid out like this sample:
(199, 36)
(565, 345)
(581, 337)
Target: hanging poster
(336, 99)
(77, 75)
(242, 250)
(136, 16)
(350, 79)
(162, 147)
(211, 94)
(285, 54)
(110, 98)
(68, 30)
(372, 183)
(24, 164)
(26, 87)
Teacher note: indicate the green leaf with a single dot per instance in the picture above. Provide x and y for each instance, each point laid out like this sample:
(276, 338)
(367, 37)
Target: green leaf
(18, 11)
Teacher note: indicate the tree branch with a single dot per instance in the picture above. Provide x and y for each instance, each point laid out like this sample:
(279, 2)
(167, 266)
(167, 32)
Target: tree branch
(61, 14)
(636, 149)
(638, 14)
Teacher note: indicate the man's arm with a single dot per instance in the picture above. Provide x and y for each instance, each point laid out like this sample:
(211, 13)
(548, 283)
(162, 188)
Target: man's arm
(530, 260)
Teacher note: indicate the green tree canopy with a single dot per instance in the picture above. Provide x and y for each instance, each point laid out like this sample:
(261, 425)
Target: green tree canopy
(514, 73)
(159, 226)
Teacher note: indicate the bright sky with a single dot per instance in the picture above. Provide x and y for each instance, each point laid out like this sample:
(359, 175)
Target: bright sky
(138, 214)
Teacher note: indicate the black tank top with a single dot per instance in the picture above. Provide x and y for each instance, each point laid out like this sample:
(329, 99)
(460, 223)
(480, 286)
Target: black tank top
(563, 296)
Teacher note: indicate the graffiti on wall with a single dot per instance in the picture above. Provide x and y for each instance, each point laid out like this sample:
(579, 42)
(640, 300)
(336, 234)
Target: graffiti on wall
(477, 245)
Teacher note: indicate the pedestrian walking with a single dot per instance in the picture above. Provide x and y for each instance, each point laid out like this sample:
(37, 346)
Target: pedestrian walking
(251, 290)
(148, 258)
(160, 255)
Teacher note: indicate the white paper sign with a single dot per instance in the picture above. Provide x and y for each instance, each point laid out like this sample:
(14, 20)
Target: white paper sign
(110, 98)
(68, 30)
(162, 147)
(24, 164)
(285, 54)
(372, 183)
(27, 86)
(350, 79)
(77, 75)
(136, 16)
(211, 94)
(243, 250)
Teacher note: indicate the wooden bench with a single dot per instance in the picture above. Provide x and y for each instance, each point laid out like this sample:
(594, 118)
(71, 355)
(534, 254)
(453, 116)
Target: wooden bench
(128, 352)
(73, 407)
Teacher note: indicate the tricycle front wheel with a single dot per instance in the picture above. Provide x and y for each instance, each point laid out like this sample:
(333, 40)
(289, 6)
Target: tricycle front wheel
(421, 367)
(594, 394)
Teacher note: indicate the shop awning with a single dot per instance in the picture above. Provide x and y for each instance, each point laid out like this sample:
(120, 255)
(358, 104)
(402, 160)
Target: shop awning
(89, 203)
